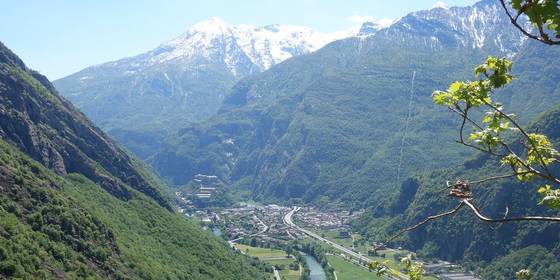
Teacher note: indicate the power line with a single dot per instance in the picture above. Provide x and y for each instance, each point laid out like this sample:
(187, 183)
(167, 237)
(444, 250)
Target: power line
(405, 131)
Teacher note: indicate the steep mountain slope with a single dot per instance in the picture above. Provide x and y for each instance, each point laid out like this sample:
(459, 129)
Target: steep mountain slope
(464, 238)
(57, 227)
(331, 125)
(141, 98)
(40, 228)
(50, 130)
(73, 205)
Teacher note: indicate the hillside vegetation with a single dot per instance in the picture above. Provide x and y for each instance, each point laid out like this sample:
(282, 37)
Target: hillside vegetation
(463, 237)
(74, 205)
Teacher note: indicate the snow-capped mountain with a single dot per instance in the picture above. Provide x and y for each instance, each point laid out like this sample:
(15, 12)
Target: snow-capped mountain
(371, 27)
(186, 78)
(282, 133)
(262, 46)
(244, 49)
(483, 25)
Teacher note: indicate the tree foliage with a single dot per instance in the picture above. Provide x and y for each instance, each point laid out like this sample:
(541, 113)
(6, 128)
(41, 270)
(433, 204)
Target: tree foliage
(543, 14)
(498, 132)
(414, 269)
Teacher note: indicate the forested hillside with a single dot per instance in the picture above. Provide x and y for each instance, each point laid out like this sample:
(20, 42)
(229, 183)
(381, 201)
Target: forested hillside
(463, 237)
(52, 131)
(74, 205)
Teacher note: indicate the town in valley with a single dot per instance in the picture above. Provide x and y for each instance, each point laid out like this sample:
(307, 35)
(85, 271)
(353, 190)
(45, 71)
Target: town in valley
(247, 226)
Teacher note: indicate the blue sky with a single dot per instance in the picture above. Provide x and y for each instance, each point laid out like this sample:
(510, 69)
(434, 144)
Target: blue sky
(60, 37)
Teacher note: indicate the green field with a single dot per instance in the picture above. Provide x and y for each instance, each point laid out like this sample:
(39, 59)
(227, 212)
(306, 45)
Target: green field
(261, 253)
(285, 273)
(280, 261)
(290, 274)
(349, 271)
(352, 271)
(273, 257)
(388, 259)
(334, 236)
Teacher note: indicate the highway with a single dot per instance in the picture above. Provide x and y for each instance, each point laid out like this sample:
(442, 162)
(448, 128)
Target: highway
(288, 221)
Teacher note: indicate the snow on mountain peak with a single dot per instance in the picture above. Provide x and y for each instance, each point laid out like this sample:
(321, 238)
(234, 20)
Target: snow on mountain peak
(372, 26)
(214, 24)
(440, 5)
(483, 25)
(385, 22)
(263, 46)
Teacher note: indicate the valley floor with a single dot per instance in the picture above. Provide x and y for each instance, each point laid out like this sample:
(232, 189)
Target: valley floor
(275, 226)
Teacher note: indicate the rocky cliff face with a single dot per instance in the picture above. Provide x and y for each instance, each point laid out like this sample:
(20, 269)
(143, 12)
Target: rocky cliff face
(35, 119)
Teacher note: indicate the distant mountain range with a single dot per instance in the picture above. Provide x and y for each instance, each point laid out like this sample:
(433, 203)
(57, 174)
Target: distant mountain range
(242, 49)
(213, 74)
(317, 124)
(482, 26)
(185, 79)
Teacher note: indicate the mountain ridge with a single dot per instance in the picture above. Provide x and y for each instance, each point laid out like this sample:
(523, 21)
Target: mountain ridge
(139, 100)
(281, 121)
(59, 136)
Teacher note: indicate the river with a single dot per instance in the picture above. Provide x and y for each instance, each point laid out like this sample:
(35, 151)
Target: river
(217, 231)
(317, 272)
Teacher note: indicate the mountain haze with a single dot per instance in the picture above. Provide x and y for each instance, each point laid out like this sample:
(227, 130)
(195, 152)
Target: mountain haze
(142, 98)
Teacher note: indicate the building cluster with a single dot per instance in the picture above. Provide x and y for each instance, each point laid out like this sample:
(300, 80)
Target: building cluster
(254, 221)
(328, 220)
(240, 222)
(184, 205)
(448, 271)
(204, 188)
(205, 216)
(208, 185)
(264, 223)
(273, 215)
